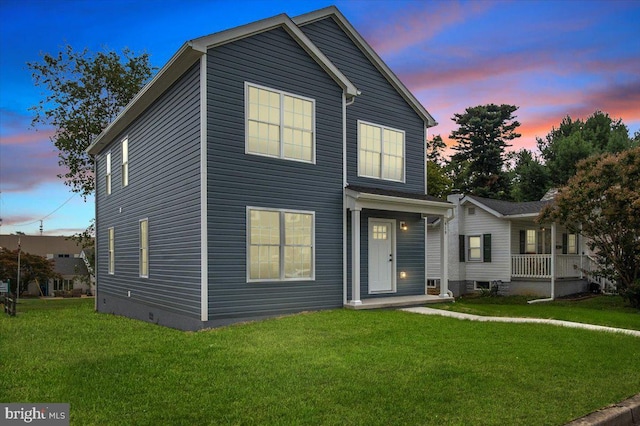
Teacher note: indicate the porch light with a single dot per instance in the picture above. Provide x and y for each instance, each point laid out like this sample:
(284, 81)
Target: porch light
(403, 225)
(403, 274)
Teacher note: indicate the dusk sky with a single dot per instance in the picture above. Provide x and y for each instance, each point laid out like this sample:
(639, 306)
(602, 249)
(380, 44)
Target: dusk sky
(550, 58)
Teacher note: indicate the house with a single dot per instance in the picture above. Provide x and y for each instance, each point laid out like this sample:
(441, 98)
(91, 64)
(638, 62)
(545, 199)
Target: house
(268, 169)
(494, 242)
(69, 261)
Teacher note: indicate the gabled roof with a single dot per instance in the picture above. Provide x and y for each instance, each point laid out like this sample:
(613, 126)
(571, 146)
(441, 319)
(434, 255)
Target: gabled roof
(70, 266)
(362, 44)
(41, 245)
(502, 208)
(191, 52)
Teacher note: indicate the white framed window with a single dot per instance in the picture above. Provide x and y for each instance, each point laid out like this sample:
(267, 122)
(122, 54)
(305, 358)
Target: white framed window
(531, 241)
(62, 285)
(481, 285)
(474, 251)
(381, 152)
(433, 282)
(125, 162)
(572, 244)
(279, 124)
(280, 244)
(111, 268)
(108, 176)
(144, 248)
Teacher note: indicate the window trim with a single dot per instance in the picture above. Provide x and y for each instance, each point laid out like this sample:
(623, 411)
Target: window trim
(575, 243)
(108, 178)
(433, 282)
(527, 244)
(111, 250)
(125, 161)
(480, 258)
(475, 285)
(404, 151)
(142, 249)
(282, 94)
(282, 277)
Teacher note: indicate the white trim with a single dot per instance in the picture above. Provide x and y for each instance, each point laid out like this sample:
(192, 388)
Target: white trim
(394, 260)
(344, 200)
(475, 285)
(145, 219)
(363, 200)
(109, 174)
(282, 94)
(204, 215)
(282, 212)
(404, 151)
(355, 257)
(468, 248)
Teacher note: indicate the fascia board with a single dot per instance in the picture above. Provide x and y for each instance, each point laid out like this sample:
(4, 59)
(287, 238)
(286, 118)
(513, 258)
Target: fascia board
(342, 21)
(282, 20)
(179, 63)
(522, 215)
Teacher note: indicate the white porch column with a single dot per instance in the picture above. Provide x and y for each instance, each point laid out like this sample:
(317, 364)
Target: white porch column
(444, 256)
(553, 260)
(355, 257)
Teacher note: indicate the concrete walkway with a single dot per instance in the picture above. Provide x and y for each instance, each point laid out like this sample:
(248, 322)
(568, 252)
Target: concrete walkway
(460, 315)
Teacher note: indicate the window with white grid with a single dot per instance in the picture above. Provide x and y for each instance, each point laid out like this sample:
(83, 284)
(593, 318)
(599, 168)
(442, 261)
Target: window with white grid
(280, 245)
(381, 152)
(279, 124)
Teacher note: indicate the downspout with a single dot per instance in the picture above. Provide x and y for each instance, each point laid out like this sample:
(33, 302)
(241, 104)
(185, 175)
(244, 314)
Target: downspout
(344, 200)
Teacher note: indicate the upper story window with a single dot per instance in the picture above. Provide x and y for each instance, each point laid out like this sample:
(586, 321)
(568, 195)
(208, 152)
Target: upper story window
(381, 152)
(108, 173)
(279, 124)
(125, 162)
(280, 245)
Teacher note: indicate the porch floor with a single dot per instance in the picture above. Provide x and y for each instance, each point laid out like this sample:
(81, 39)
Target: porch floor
(398, 301)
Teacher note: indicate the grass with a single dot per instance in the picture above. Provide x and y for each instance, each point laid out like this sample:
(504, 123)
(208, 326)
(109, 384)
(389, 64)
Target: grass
(601, 310)
(331, 367)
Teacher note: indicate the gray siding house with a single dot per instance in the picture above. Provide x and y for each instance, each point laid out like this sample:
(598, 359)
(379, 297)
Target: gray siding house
(268, 169)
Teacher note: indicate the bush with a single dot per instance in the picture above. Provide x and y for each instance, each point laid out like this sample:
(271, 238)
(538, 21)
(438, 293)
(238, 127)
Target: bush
(632, 294)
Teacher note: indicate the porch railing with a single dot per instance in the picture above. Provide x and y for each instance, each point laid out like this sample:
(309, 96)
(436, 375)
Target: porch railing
(539, 265)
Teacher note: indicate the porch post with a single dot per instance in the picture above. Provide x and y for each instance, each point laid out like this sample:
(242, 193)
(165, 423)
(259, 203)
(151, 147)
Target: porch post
(355, 257)
(553, 260)
(444, 256)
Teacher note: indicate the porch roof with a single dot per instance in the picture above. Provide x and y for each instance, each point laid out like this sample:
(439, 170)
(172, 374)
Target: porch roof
(360, 197)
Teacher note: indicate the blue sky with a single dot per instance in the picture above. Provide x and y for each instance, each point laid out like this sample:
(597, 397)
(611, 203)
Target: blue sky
(550, 58)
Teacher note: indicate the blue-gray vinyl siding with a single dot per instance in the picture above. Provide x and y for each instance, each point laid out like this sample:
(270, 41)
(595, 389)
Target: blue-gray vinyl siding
(380, 103)
(409, 254)
(164, 187)
(237, 180)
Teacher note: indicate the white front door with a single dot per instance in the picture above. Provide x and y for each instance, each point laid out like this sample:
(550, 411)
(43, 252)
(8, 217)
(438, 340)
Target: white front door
(382, 262)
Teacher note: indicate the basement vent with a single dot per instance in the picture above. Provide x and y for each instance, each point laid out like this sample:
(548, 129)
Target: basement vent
(471, 211)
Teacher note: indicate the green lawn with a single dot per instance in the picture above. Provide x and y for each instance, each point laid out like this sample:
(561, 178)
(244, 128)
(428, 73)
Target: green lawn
(602, 310)
(331, 367)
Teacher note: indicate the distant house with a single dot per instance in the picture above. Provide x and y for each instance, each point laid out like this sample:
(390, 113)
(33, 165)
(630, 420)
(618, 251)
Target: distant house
(494, 242)
(271, 168)
(69, 260)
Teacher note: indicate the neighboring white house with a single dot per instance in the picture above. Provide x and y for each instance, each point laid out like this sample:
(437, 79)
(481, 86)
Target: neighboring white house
(494, 242)
(69, 261)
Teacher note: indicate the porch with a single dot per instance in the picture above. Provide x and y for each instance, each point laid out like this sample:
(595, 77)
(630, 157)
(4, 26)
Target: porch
(543, 266)
(398, 301)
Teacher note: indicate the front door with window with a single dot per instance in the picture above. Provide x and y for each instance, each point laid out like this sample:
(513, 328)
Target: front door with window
(382, 256)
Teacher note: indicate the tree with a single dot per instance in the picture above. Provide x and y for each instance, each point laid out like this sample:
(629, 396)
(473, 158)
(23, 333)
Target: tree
(32, 268)
(435, 149)
(86, 240)
(438, 183)
(84, 93)
(482, 135)
(575, 140)
(602, 202)
(530, 178)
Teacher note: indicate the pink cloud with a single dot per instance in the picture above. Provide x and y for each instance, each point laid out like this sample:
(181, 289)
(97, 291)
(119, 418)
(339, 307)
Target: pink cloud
(412, 25)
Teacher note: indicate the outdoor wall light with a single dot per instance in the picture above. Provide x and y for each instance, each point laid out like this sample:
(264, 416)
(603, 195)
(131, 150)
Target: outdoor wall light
(403, 225)
(403, 274)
